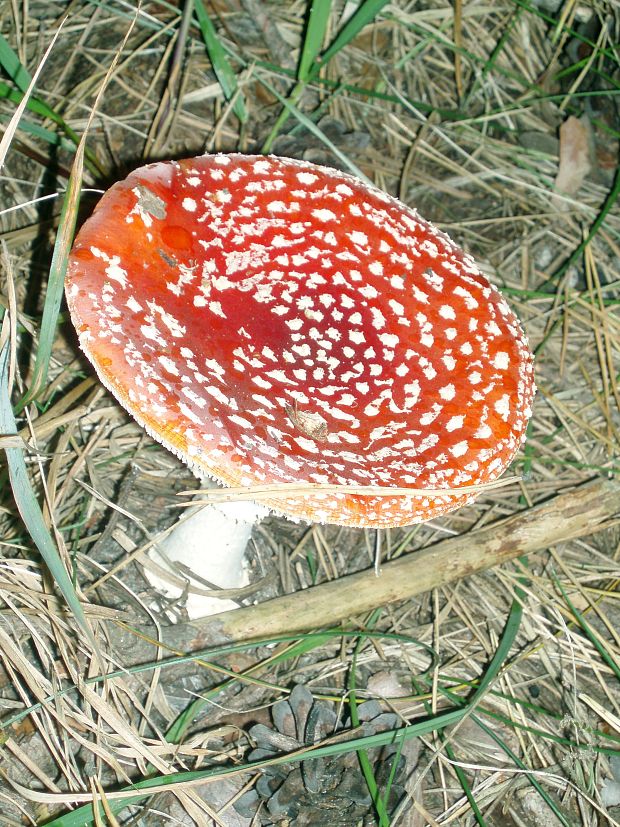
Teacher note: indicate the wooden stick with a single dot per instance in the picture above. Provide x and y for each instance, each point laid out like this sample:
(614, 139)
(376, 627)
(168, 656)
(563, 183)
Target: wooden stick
(574, 513)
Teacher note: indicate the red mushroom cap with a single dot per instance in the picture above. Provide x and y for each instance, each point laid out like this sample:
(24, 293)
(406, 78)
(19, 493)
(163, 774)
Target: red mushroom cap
(271, 321)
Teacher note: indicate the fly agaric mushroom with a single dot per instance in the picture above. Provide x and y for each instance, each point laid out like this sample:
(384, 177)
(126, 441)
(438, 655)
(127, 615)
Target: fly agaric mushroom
(270, 321)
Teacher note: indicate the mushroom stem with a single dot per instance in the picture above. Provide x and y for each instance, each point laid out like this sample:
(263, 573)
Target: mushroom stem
(205, 552)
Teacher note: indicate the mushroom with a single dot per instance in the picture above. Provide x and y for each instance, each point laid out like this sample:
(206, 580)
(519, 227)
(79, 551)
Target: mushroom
(270, 321)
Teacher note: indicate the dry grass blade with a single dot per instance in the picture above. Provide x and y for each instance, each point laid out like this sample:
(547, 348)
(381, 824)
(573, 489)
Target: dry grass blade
(62, 246)
(9, 134)
(164, 117)
(99, 793)
(458, 43)
(603, 713)
(259, 492)
(29, 508)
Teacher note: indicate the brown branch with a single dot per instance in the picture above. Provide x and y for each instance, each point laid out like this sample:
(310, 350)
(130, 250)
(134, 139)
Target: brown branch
(574, 513)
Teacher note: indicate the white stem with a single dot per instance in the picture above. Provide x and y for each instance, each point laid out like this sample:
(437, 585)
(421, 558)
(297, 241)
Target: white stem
(208, 542)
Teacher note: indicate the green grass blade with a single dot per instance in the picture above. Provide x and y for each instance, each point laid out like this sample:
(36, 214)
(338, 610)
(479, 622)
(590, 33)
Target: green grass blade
(300, 647)
(84, 817)
(550, 736)
(587, 630)
(365, 14)
(40, 108)
(362, 755)
(364, 92)
(318, 19)
(510, 631)
(7, 137)
(507, 639)
(462, 778)
(24, 82)
(13, 66)
(62, 248)
(287, 109)
(493, 57)
(219, 60)
(548, 18)
(56, 280)
(561, 817)
(490, 731)
(596, 226)
(509, 635)
(28, 506)
(311, 59)
(314, 129)
(176, 732)
(469, 795)
(46, 135)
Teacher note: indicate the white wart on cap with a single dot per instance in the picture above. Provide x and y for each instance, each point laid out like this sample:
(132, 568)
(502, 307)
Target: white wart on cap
(271, 321)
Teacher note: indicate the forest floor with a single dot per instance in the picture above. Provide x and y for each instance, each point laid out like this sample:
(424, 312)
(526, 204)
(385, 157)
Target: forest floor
(489, 700)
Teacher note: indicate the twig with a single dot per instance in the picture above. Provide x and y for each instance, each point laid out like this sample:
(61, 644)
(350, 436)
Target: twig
(575, 513)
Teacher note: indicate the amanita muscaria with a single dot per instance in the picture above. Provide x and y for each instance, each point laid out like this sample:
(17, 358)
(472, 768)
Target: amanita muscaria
(271, 321)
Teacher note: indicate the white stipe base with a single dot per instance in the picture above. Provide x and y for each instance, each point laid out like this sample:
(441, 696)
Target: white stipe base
(208, 542)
